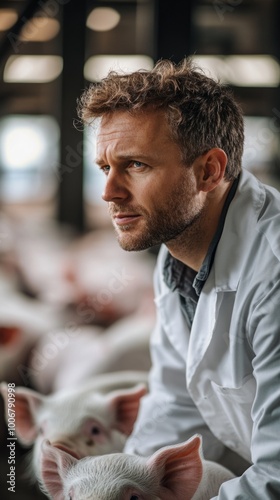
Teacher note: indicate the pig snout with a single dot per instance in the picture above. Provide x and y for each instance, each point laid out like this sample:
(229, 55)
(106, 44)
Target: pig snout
(66, 448)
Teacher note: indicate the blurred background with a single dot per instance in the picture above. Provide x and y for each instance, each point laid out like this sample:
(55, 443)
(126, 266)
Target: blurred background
(72, 303)
(52, 49)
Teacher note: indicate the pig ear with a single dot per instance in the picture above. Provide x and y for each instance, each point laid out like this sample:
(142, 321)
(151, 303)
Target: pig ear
(27, 403)
(54, 466)
(180, 467)
(126, 405)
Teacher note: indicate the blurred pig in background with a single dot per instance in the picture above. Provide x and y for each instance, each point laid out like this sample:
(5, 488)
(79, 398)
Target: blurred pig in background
(71, 309)
(78, 306)
(23, 322)
(91, 276)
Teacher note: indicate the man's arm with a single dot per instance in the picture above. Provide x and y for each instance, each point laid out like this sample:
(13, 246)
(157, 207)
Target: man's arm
(167, 414)
(262, 480)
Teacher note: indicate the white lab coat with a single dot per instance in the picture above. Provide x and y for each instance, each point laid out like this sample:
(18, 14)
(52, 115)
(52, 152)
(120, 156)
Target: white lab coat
(222, 380)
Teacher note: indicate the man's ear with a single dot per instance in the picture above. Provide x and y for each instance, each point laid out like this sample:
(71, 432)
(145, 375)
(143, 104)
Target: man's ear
(210, 169)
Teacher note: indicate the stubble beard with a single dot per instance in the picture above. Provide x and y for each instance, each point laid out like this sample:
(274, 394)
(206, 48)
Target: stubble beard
(172, 224)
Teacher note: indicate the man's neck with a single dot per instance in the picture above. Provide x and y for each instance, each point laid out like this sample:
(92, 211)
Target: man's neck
(191, 246)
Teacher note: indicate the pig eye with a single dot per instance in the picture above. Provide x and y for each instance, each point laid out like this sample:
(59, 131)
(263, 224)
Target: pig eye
(134, 497)
(95, 430)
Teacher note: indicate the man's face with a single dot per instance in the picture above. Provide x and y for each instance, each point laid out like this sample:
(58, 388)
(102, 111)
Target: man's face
(152, 196)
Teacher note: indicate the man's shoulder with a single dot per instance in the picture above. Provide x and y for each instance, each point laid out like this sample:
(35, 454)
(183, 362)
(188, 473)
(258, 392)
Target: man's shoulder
(250, 183)
(255, 204)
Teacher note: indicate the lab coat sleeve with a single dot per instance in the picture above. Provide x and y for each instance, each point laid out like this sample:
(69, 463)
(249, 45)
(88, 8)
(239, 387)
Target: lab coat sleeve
(167, 414)
(262, 480)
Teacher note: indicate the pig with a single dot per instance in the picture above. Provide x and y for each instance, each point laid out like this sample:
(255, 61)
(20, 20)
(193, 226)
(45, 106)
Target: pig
(123, 346)
(90, 272)
(23, 322)
(92, 419)
(176, 472)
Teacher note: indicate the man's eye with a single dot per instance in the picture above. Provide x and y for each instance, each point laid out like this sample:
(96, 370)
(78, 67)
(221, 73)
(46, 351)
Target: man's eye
(138, 164)
(105, 169)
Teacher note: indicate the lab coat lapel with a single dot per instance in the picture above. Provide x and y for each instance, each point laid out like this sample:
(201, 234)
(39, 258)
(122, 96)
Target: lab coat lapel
(226, 271)
(174, 322)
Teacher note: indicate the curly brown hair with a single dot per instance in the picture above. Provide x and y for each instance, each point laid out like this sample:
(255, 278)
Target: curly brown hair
(202, 113)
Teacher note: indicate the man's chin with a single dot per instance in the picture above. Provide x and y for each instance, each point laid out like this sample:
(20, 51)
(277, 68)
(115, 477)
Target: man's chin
(130, 244)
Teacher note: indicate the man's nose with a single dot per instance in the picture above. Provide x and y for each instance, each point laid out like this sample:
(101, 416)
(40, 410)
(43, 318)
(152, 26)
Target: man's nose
(114, 188)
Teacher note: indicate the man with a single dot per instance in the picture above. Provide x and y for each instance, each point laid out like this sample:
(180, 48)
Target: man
(170, 143)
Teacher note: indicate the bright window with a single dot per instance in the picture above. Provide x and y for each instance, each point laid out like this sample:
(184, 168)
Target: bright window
(29, 154)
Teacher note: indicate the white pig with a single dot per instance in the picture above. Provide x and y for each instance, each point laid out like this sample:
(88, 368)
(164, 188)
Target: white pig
(175, 472)
(88, 420)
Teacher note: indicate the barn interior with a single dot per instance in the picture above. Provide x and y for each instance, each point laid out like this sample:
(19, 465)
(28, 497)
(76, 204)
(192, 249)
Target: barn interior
(71, 299)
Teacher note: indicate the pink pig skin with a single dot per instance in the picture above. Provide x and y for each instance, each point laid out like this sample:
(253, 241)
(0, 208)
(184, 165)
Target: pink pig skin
(172, 473)
(93, 419)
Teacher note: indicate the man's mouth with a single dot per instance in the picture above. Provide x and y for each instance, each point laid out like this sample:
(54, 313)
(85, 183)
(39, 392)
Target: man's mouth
(125, 218)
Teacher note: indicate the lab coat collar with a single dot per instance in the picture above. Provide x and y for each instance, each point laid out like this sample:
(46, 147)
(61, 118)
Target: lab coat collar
(225, 273)
(240, 224)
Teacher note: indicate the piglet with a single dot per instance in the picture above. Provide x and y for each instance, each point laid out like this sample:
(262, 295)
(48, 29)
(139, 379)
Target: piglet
(92, 419)
(172, 473)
